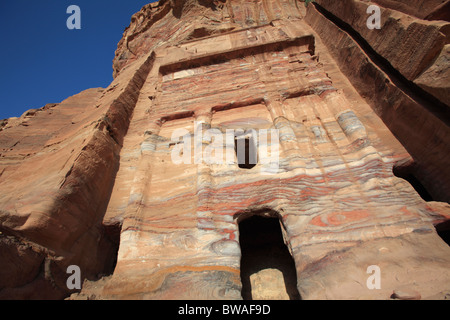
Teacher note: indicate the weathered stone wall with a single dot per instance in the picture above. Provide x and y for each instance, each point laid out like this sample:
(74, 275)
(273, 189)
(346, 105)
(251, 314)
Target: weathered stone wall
(419, 119)
(234, 65)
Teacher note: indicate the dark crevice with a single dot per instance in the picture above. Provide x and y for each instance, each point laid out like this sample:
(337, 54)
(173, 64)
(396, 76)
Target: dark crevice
(407, 173)
(111, 233)
(420, 96)
(443, 230)
(445, 235)
(418, 186)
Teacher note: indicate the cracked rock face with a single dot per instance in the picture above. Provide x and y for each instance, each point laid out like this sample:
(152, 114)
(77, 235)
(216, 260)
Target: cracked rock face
(361, 176)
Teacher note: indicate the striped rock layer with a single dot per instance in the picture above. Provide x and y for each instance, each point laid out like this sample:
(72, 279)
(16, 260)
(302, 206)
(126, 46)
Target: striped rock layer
(326, 178)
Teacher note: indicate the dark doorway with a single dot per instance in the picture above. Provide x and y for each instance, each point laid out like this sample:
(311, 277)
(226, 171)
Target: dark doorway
(264, 252)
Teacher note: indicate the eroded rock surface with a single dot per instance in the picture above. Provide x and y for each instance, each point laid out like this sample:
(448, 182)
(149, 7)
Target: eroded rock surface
(92, 181)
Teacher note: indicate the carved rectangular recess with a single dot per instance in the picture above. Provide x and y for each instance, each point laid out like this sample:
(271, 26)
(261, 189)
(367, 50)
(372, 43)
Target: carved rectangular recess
(241, 116)
(305, 44)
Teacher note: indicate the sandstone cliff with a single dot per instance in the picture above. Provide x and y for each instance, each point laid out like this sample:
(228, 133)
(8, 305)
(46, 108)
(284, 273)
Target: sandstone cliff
(363, 177)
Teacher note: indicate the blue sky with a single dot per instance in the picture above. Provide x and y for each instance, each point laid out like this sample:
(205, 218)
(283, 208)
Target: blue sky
(42, 61)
